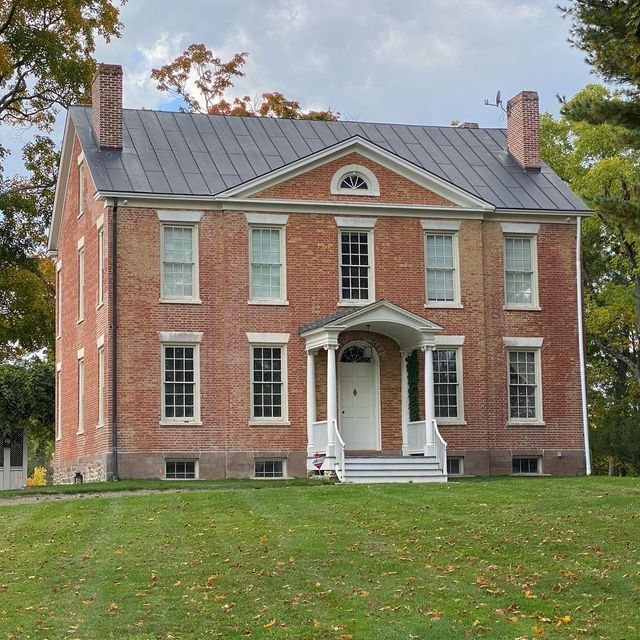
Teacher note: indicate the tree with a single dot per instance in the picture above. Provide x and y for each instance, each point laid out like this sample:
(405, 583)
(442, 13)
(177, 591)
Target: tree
(27, 400)
(46, 64)
(596, 160)
(201, 80)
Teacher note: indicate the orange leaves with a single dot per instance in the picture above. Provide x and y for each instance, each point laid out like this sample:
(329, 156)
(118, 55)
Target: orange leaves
(113, 607)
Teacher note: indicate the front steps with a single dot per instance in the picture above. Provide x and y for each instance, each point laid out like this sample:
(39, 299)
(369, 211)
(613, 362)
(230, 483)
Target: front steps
(377, 469)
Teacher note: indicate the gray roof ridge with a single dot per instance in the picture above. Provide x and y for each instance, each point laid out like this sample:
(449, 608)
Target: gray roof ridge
(373, 122)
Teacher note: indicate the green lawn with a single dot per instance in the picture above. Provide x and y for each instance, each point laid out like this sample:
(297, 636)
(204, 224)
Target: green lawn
(507, 558)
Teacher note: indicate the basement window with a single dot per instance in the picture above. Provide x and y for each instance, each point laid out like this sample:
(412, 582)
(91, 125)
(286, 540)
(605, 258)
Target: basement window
(269, 469)
(526, 466)
(180, 469)
(455, 466)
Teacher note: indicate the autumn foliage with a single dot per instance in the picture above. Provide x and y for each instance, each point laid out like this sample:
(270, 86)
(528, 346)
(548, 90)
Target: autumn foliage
(202, 80)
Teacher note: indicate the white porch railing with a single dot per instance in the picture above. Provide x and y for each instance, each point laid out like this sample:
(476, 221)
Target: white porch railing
(424, 438)
(320, 437)
(339, 452)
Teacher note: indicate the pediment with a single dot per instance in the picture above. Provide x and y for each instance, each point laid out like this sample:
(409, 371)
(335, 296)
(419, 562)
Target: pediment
(401, 182)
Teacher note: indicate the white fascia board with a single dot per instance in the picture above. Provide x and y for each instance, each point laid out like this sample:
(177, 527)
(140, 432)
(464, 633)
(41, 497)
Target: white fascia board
(61, 184)
(371, 151)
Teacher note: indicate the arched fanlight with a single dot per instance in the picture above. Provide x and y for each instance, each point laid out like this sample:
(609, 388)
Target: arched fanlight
(354, 182)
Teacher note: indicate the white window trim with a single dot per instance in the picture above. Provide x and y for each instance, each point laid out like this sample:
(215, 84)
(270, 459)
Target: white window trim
(81, 392)
(518, 346)
(534, 305)
(461, 459)
(270, 340)
(374, 186)
(437, 226)
(276, 223)
(58, 299)
(195, 247)
(178, 216)
(100, 229)
(454, 343)
(456, 303)
(101, 379)
(352, 222)
(59, 401)
(372, 270)
(81, 279)
(177, 422)
(81, 178)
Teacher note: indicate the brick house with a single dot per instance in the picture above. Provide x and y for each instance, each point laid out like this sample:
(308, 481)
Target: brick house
(252, 297)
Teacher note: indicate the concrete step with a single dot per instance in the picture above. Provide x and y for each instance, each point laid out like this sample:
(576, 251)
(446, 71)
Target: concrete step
(394, 479)
(378, 469)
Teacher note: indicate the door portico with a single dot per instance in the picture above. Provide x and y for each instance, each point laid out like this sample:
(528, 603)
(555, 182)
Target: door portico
(409, 332)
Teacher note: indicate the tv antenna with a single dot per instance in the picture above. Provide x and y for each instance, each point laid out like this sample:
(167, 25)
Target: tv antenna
(497, 103)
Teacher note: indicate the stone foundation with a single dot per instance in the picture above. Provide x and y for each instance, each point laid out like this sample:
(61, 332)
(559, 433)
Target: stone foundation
(95, 469)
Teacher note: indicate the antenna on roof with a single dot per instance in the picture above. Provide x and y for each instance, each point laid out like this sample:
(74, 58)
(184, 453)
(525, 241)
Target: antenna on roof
(498, 102)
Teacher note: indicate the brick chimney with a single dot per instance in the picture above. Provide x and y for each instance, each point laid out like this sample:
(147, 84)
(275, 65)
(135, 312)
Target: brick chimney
(106, 98)
(523, 129)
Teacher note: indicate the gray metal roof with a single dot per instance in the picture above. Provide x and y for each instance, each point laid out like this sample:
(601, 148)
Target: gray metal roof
(199, 155)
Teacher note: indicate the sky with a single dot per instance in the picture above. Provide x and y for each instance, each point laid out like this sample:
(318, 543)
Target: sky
(403, 61)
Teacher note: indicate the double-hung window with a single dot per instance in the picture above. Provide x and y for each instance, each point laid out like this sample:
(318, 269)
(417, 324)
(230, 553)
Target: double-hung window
(520, 266)
(80, 429)
(59, 298)
(356, 260)
(524, 380)
(442, 271)
(100, 228)
(59, 401)
(101, 362)
(180, 377)
(268, 378)
(267, 259)
(447, 380)
(179, 278)
(81, 187)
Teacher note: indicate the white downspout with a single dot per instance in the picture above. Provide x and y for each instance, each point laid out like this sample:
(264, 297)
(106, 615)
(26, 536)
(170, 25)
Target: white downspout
(583, 373)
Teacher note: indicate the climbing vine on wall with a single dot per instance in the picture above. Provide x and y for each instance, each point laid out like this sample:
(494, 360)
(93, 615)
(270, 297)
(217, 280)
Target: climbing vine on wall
(413, 376)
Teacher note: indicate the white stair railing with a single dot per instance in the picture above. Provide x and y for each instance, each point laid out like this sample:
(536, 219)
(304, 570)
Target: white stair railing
(416, 436)
(440, 447)
(339, 452)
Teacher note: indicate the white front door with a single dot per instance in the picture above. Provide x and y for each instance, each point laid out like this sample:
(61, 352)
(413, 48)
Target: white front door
(358, 417)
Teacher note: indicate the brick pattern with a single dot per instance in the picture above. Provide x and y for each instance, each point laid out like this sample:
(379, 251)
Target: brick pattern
(523, 129)
(315, 185)
(106, 98)
(225, 444)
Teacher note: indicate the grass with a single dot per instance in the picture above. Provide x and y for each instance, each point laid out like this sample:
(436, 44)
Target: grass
(506, 558)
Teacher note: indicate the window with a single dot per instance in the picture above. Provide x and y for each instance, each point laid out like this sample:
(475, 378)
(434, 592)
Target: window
(59, 299)
(180, 383)
(455, 466)
(268, 378)
(354, 180)
(58, 402)
(524, 386)
(81, 189)
(100, 265)
(179, 276)
(441, 269)
(81, 280)
(446, 383)
(267, 277)
(180, 469)
(526, 465)
(520, 271)
(101, 385)
(269, 469)
(355, 266)
(80, 394)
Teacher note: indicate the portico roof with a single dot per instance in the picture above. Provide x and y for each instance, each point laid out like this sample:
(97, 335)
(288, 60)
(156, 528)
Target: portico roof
(408, 329)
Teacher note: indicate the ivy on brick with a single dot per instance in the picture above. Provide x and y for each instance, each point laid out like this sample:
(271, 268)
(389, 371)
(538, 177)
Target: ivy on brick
(413, 377)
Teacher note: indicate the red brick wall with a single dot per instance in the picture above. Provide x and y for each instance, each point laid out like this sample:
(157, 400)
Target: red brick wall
(315, 185)
(75, 335)
(224, 317)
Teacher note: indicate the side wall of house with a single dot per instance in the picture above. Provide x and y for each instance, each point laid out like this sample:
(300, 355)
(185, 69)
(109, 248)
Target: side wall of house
(85, 450)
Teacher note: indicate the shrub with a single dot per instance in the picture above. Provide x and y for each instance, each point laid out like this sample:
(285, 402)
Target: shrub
(38, 478)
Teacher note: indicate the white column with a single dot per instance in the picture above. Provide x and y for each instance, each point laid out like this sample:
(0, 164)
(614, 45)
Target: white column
(429, 400)
(332, 402)
(311, 399)
(404, 402)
